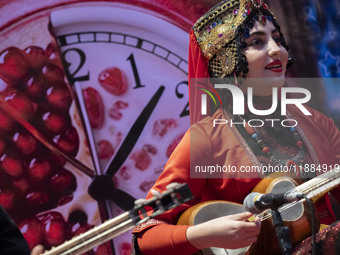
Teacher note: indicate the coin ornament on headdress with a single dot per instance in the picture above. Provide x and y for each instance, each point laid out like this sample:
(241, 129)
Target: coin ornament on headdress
(217, 27)
(257, 3)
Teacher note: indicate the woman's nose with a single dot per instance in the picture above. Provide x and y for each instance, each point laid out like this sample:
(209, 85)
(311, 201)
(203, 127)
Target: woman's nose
(273, 48)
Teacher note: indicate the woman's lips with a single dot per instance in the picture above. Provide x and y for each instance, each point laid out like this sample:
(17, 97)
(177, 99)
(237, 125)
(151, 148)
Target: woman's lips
(275, 66)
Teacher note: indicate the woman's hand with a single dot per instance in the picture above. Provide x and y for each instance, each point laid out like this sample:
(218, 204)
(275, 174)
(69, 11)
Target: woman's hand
(37, 250)
(229, 232)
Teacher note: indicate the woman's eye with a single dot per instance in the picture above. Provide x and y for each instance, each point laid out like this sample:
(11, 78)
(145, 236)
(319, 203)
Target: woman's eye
(255, 42)
(277, 39)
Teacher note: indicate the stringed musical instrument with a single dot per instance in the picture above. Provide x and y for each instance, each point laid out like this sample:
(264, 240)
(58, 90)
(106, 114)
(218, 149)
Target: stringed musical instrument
(295, 215)
(174, 196)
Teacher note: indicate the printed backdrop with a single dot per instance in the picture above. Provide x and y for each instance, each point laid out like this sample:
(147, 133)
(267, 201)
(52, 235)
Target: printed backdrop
(114, 66)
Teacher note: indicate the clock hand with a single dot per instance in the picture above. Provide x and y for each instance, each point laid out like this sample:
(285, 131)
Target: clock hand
(133, 135)
(102, 187)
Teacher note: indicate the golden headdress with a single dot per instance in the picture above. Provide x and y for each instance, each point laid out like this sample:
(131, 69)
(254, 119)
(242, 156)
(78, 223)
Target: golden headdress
(216, 30)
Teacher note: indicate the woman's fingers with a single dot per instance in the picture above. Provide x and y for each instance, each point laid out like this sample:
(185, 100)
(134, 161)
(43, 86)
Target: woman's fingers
(240, 216)
(37, 250)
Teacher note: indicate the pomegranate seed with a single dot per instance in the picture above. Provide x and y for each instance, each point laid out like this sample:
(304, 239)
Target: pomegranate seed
(25, 142)
(7, 199)
(68, 141)
(59, 98)
(125, 173)
(39, 169)
(11, 165)
(94, 107)
(51, 48)
(115, 114)
(13, 64)
(6, 123)
(145, 186)
(55, 122)
(149, 148)
(105, 149)
(19, 103)
(36, 57)
(160, 127)
(63, 182)
(38, 199)
(120, 105)
(32, 231)
(35, 87)
(142, 160)
(113, 80)
(54, 228)
(52, 73)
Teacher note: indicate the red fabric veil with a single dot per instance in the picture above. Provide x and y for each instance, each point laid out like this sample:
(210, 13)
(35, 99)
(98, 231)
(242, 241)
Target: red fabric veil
(197, 68)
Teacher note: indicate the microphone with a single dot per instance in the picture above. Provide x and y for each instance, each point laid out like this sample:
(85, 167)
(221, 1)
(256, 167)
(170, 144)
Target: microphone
(257, 202)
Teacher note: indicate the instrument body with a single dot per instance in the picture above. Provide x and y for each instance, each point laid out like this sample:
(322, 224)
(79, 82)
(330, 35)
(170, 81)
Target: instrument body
(297, 217)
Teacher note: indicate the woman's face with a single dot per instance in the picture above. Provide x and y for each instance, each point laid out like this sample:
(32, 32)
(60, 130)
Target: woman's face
(267, 59)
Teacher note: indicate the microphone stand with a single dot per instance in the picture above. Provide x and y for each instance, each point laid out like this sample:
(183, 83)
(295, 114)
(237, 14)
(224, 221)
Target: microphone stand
(282, 233)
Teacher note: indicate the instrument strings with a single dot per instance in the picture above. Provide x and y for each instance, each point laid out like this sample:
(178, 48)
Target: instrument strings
(264, 215)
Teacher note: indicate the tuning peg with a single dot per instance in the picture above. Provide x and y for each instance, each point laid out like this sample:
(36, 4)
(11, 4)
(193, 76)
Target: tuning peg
(156, 193)
(140, 201)
(173, 185)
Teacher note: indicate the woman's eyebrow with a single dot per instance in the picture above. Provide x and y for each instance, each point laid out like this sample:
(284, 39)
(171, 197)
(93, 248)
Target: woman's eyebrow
(257, 33)
(262, 32)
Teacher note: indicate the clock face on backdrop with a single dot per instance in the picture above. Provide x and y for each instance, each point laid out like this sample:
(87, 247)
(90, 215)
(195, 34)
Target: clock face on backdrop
(128, 67)
(124, 61)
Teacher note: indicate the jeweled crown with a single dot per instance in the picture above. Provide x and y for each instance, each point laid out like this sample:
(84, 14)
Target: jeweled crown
(217, 27)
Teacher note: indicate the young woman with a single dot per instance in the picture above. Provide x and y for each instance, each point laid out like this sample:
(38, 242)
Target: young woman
(238, 40)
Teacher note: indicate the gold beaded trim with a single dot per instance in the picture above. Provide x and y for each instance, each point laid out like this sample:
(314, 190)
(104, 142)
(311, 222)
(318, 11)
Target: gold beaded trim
(225, 61)
(217, 27)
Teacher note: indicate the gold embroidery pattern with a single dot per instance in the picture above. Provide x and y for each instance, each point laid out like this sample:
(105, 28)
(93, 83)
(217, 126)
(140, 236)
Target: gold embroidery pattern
(225, 61)
(217, 27)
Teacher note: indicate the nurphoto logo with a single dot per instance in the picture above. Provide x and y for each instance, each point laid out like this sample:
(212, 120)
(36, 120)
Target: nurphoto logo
(238, 107)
